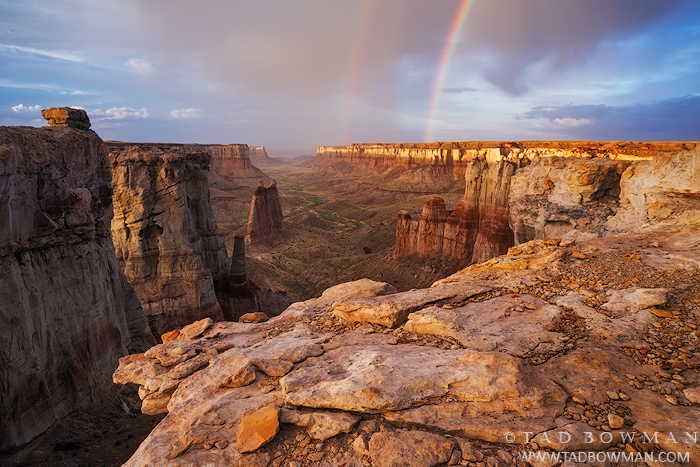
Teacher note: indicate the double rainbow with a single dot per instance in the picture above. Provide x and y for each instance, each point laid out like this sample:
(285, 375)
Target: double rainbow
(446, 56)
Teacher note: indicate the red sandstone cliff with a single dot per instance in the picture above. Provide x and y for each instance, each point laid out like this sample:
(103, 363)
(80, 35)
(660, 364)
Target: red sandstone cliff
(476, 230)
(67, 314)
(438, 167)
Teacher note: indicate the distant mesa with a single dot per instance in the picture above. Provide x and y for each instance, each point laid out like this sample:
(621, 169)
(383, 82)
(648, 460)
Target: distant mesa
(67, 117)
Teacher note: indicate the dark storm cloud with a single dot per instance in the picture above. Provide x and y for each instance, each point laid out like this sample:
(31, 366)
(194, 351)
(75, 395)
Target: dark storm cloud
(515, 36)
(670, 119)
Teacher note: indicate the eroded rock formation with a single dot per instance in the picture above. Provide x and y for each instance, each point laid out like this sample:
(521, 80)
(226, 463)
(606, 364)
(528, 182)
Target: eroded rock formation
(476, 230)
(259, 156)
(265, 221)
(165, 234)
(229, 161)
(67, 311)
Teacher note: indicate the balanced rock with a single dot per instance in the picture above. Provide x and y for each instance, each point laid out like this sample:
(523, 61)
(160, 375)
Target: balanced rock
(67, 117)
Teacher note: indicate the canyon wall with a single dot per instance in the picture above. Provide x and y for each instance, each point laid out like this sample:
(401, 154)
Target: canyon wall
(230, 161)
(438, 167)
(259, 156)
(68, 313)
(265, 221)
(165, 234)
(512, 201)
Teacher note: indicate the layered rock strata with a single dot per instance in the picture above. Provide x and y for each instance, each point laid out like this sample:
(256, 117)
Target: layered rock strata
(165, 234)
(230, 161)
(265, 221)
(438, 167)
(67, 311)
(544, 342)
(509, 202)
(478, 229)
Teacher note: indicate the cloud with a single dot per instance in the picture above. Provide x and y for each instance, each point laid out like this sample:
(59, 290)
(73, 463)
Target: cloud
(4, 83)
(458, 90)
(670, 119)
(21, 108)
(140, 66)
(185, 113)
(119, 113)
(58, 54)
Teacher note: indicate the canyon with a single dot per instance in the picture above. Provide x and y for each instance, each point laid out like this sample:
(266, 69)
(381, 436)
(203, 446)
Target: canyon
(579, 316)
(550, 287)
(592, 337)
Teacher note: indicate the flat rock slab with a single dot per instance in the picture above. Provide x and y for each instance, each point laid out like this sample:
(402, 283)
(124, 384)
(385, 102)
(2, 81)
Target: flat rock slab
(380, 378)
(515, 324)
(392, 310)
(490, 421)
(634, 299)
(409, 449)
(257, 429)
(359, 288)
(590, 372)
(624, 330)
(294, 346)
(320, 425)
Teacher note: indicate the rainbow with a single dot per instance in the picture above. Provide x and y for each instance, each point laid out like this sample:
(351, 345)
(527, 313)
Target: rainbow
(358, 47)
(447, 51)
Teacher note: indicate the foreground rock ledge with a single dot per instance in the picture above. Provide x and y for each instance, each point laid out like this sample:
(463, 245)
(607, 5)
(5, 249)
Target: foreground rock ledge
(521, 344)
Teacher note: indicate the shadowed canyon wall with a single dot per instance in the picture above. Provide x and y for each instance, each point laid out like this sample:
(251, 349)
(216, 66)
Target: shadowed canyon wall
(68, 314)
(165, 234)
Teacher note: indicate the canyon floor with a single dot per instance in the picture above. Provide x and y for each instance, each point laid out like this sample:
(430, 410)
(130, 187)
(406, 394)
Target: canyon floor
(337, 228)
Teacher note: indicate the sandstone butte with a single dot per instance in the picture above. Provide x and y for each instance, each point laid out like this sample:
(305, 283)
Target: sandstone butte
(555, 335)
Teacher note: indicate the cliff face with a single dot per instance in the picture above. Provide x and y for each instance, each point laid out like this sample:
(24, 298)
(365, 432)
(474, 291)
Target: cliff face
(230, 161)
(438, 167)
(67, 311)
(265, 219)
(475, 231)
(659, 192)
(553, 196)
(165, 234)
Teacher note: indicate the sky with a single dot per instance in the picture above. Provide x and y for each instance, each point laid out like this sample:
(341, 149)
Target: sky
(292, 75)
